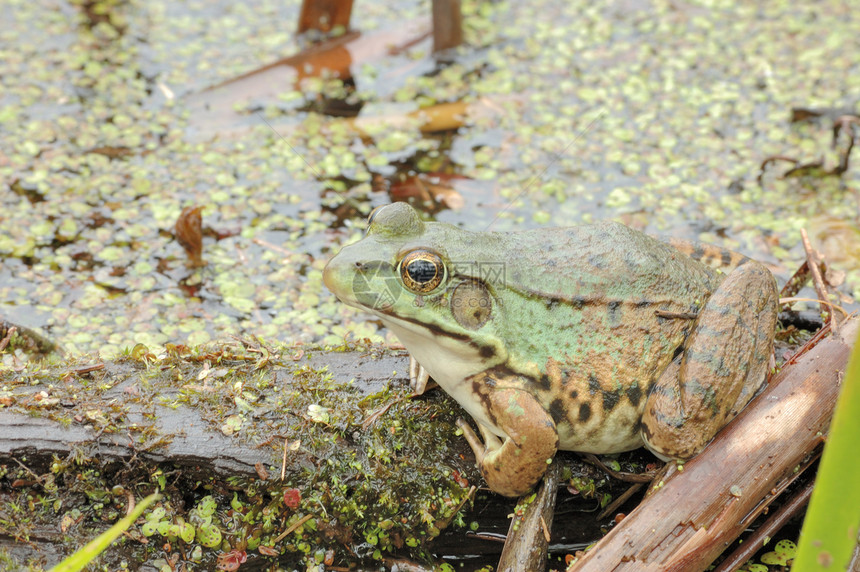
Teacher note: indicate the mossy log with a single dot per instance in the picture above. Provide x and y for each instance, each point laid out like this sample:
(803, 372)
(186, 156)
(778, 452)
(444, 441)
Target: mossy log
(299, 458)
(101, 409)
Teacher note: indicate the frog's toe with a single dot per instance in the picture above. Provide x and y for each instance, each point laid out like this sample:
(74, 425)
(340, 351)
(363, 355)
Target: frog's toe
(512, 470)
(473, 440)
(418, 377)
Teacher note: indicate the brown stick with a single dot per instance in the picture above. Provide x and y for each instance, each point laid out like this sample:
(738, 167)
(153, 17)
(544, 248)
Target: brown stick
(4, 342)
(616, 504)
(525, 548)
(813, 263)
(447, 25)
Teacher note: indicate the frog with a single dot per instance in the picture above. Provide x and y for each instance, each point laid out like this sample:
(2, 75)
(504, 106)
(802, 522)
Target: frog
(594, 338)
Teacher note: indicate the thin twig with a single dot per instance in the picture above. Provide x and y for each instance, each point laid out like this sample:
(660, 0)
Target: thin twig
(470, 496)
(545, 529)
(371, 419)
(131, 503)
(270, 246)
(812, 258)
(284, 462)
(831, 305)
(7, 338)
(295, 525)
(783, 485)
(614, 505)
(621, 476)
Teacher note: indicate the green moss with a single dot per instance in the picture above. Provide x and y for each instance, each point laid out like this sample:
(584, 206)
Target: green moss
(345, 479)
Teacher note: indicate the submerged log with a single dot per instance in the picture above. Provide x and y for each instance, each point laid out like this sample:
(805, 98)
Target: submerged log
(213, 111)
(529, 533)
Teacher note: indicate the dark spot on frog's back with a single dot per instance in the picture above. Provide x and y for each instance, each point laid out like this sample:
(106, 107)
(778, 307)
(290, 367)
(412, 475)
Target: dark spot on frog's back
(597, 261)
(558, 411)
(634, 394)
(584, 412)
(593, 384)
(698, 253)
(613, 310)
(610, 400)
(544, 383)
(574, 236)
(632, 260)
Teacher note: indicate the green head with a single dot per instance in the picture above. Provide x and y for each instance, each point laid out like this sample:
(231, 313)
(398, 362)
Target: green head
(426, 282)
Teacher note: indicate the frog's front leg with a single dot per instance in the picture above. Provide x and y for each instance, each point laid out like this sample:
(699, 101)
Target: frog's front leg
(724, 362)
(513, 465)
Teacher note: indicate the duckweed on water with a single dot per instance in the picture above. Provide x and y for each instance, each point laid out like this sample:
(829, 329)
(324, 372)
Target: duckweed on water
(659, 116)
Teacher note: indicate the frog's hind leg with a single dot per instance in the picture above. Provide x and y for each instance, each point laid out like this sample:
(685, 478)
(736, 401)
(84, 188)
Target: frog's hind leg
(724, 362)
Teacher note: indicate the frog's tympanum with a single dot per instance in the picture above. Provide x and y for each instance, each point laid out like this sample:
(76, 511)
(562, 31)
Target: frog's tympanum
(593, 338)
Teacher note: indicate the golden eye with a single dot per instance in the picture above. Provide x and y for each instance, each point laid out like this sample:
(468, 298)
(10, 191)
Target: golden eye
(421, 271)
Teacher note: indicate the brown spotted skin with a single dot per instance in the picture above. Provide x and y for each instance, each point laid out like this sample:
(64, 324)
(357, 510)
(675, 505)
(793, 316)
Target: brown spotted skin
(530, 444)
(593, 338)
(711, 256)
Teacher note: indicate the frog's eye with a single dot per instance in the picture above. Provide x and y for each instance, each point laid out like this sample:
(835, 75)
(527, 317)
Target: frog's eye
(421, 271)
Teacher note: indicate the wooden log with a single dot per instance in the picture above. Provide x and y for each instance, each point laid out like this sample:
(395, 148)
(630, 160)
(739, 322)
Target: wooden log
(528, 535)
(39, 439)
(181, 435)
(685, 524)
